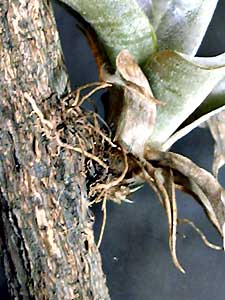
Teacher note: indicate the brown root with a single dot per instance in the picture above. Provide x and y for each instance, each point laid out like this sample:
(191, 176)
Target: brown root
(203, 237)
(112, 173)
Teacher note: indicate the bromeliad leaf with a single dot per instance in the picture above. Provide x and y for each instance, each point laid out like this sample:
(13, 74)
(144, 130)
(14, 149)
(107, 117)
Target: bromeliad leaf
(119, 25)
(213, 105)
(181, 24)
(183, 84)
(215, 100)
(212, 111)
(195, 122)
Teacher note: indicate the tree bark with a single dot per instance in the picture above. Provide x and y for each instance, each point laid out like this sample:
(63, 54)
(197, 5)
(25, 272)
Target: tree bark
(46, 228)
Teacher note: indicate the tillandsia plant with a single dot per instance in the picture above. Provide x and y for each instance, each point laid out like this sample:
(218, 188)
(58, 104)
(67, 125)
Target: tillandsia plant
(158, 91)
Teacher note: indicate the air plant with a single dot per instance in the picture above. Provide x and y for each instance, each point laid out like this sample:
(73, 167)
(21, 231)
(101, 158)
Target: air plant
(159, 92)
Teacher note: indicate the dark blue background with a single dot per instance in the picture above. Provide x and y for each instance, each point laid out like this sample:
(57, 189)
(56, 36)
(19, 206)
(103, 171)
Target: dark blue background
(135, 252)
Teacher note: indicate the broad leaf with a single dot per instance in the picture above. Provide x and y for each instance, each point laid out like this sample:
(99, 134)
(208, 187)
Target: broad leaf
(192, 125)
(214, 101)
(182, 84)
(120, 25)
(181, 24)
(216, 98)
(213, 105)
(212, 111)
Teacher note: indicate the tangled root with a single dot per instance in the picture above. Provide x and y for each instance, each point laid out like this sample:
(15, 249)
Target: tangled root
(111, 172)
(103, 162)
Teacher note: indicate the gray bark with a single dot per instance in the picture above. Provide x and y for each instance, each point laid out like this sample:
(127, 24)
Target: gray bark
(46, 228)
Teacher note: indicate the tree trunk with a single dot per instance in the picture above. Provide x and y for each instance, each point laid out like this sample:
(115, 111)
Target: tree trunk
(46, 228)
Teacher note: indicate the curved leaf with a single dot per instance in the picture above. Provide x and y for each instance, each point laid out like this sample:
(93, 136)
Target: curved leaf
(182, 84)
(120, 25)
(214, 100)
(217, 128)
(210, 109)
(181, 24)
(208, 62)
(188, 128)
(210, 193)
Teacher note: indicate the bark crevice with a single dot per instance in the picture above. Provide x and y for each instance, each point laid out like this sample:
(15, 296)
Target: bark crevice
(46, 225)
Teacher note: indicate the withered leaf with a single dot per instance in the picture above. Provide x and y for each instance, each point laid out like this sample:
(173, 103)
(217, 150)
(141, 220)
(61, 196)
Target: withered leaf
(130, 71)
(136, 122)
(201, 182)
(166, 190)
(138, 114)
(217, 128)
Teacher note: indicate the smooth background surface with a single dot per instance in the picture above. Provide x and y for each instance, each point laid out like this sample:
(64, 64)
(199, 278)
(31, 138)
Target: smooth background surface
(135, 252)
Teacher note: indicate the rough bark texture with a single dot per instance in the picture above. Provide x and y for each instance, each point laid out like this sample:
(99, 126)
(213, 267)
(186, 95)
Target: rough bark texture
(46, 227)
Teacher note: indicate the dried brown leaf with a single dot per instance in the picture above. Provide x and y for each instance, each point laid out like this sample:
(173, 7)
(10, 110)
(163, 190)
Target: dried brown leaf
(201, 183)
(217, 128)
(165, 183)
(138, 114)
(200, 233)
(130, 71)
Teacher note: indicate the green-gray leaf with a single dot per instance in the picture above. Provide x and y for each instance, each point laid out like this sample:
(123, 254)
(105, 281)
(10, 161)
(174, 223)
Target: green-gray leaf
(181, 24)
(158, 10)
(213, 105)
(182, 84)
(214, 100)
(120, 25)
